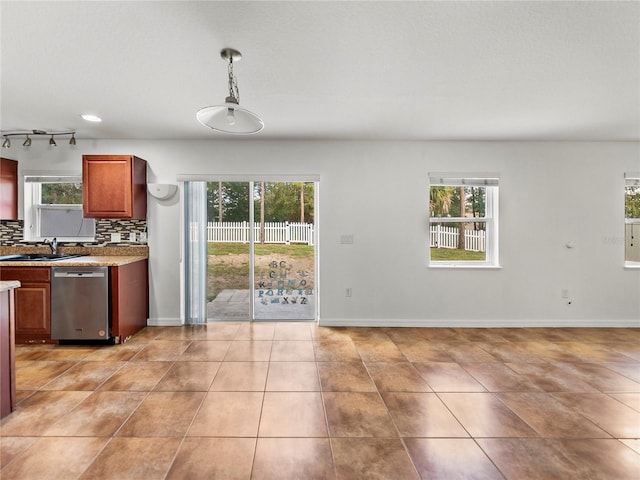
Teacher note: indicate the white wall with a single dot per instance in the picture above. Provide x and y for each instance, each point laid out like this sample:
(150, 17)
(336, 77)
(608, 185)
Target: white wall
(550, 194)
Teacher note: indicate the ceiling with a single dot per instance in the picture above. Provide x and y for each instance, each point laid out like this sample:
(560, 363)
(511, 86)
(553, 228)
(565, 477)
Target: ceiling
(430, 70)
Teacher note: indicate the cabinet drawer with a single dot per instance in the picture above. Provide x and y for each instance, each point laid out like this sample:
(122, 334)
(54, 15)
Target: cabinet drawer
(26, 274)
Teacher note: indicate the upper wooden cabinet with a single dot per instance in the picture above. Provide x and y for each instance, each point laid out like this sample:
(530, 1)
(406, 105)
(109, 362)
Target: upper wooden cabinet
(8, 189)
(114, 186)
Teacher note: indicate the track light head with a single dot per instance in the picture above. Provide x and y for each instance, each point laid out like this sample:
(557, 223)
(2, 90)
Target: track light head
(52, 142)
(27, 142)
(6, 143)
(72, 141)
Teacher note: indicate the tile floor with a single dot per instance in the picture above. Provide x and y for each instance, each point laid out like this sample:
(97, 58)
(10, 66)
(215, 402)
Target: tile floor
(297, 401)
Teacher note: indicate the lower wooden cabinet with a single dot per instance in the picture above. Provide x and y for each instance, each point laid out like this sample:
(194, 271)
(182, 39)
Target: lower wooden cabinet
(32, 303)
(129, 301)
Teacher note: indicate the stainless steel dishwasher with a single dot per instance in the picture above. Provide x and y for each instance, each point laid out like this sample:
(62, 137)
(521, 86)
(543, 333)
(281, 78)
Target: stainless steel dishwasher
(80, 306)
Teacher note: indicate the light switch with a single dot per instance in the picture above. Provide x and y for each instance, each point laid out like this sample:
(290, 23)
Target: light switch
(346, 239)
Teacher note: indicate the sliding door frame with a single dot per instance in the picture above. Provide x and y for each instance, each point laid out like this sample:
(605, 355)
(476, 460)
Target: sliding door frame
(250, 179)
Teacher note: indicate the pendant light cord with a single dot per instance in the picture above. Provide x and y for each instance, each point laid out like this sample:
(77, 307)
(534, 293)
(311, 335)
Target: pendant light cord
(233, 84)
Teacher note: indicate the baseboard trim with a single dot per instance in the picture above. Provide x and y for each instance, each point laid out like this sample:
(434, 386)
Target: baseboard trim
(164, 322)
(440, 323)
(479, 323)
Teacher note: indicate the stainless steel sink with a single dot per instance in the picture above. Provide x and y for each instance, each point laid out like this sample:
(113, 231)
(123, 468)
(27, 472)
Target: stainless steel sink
(37, 257)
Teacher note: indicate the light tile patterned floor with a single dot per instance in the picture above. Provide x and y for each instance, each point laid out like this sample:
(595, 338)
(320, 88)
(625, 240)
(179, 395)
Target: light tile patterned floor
(297, 401)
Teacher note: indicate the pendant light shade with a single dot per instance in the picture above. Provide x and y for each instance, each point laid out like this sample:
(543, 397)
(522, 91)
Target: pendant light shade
(230, 117)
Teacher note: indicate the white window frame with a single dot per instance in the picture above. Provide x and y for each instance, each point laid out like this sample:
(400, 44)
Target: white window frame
(33, 207)
(631, 179)
(491, 219)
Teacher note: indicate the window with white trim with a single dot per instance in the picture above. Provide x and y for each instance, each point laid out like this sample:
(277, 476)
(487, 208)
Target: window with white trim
(53, 208)
(632, 219)
(463, 220)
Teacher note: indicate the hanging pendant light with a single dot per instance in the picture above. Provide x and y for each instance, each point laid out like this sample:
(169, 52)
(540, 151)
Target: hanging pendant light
(230, 117)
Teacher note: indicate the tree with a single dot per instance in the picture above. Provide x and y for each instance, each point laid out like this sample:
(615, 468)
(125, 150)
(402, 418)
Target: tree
(632, 202)
(273, 201)
(61, 193)
(228, 201)
(282, 201)
(463, 226)
(440, 200)
(477, 202)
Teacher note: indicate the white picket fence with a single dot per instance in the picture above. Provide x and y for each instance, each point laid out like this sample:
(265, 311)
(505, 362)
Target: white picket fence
(274, 232)
(442, 236)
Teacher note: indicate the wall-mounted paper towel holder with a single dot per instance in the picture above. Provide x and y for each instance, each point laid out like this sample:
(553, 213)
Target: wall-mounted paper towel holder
(162, 191)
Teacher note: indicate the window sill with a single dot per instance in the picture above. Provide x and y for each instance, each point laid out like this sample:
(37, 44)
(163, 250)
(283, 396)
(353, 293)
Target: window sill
(632, 265)
(482, 266)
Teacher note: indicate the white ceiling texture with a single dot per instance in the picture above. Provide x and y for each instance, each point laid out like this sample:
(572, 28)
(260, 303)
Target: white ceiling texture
(400, 70)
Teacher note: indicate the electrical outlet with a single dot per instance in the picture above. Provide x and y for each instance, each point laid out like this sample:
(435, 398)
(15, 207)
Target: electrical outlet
(348, 292)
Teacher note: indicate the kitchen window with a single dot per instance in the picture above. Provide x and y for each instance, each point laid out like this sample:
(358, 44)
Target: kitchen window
(632, 220)
(463, 220)
(53, 208)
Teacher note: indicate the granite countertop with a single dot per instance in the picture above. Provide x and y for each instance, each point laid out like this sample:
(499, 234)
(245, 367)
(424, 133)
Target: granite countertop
(111, 256)
(8, 285)
(84, 261)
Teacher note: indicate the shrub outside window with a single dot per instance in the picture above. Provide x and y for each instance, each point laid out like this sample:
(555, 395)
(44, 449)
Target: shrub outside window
(463, 220)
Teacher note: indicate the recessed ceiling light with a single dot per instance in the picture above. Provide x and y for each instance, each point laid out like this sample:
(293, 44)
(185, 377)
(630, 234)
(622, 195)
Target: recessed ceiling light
(91, 118)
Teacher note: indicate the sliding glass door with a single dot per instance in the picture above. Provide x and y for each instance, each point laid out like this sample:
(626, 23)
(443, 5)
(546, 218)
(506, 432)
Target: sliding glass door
(228, 251)
(284, 251)
(260, 260)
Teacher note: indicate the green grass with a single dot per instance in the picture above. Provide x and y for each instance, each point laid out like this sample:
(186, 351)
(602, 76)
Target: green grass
(455, 255)
(298, 251)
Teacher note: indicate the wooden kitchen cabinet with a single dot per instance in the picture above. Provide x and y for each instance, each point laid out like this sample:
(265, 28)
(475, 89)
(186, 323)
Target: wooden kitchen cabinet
(32, 303)
(129, 299)
(7, 353)
(114, 186)
(8, 189)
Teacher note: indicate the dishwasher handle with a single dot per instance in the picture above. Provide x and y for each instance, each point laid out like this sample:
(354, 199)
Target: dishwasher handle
(79, 274)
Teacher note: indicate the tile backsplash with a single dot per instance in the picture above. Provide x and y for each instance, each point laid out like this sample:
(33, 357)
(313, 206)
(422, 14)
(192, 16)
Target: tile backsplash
(11, 231)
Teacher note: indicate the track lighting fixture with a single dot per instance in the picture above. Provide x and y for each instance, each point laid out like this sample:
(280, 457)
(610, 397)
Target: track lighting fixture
(230, 117)
(30, 133)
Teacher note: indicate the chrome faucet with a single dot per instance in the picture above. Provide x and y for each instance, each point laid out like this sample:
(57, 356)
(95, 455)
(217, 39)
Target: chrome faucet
(53, 245)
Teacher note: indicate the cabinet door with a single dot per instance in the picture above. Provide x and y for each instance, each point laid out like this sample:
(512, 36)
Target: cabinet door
(8, 189)
(107, 186)
(33, 309)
